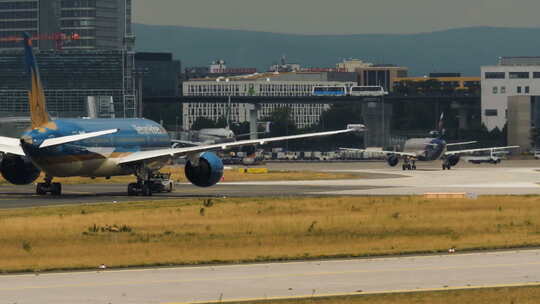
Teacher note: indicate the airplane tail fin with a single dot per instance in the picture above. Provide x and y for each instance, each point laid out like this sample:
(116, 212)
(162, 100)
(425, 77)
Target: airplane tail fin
(440, 125)
(439, 132)
(36, 96)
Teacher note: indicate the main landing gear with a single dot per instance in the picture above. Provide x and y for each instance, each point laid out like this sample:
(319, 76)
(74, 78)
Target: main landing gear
(149, 183)
(446, 165)
(49, 187)
(409, 164)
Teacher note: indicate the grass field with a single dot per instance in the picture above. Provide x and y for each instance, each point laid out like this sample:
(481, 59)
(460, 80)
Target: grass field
(514, 295)
(228, 176)
(259, 229)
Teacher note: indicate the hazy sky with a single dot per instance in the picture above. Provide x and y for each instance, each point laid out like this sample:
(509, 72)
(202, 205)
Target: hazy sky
(338, 16)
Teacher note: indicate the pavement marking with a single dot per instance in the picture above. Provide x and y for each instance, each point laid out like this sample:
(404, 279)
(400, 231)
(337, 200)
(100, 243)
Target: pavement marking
(453, 288)
(266, 276)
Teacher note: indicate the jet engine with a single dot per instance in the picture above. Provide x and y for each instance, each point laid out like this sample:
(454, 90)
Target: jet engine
(392, 160)
(453, 160)
(18, 170)
(207, 172)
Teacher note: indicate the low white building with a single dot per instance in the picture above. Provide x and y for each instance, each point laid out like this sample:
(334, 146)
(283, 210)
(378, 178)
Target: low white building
(513, 76)
(268, 84)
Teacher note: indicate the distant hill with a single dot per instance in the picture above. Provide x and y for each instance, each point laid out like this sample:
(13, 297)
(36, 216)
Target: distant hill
(457, 50)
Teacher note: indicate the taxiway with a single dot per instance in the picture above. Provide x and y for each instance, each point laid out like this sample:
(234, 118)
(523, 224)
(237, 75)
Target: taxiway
(276, 280)
(508, 178)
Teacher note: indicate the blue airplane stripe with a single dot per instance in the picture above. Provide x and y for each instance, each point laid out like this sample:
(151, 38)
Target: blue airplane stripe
(127, 139)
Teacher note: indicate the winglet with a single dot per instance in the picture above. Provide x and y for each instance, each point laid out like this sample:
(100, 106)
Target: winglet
(357, 127)
(36, 96)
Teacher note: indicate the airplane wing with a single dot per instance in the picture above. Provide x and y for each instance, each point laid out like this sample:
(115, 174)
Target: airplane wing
(178, 152)
(11, 146)
(185, 142)
(461, 143)
(479, 150)
(380, 152)
(72, 138)
(248, 134)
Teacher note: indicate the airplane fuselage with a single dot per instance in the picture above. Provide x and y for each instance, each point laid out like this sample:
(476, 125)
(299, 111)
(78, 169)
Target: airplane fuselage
(94, 157)
(426, 149)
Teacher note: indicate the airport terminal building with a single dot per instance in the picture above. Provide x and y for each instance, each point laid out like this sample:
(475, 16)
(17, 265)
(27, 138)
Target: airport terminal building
(293, 84)
(513, 76)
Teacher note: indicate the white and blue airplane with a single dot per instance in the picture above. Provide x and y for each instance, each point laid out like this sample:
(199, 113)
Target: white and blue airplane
(429, 148)
(106, 147)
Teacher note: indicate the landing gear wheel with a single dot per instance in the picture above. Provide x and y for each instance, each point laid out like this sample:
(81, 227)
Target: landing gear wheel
(40, 189)
(170, 188)
(414, 167)
(56, 189)
(132, 189)
(443, 167)
(404, 167)
(146, 190)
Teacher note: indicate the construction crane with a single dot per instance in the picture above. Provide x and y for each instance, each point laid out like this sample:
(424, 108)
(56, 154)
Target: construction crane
(58, 38)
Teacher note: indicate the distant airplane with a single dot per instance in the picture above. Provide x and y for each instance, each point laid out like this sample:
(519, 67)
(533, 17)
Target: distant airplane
(210, 136)
(429, 149)
(106, 147)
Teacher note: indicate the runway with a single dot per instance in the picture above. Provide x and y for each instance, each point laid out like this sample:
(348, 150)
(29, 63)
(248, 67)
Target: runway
(276, 280)
(509, 178)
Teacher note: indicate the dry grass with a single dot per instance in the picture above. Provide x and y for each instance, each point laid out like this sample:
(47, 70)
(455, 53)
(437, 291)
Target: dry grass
(228, 176)
(253, 229)
(517, 295)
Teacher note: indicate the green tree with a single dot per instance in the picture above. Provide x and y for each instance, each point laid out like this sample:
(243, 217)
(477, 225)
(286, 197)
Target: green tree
(221, 122)
(203, 123)
(240, 128)
(164, 112)
(282, 123)
(338, 116)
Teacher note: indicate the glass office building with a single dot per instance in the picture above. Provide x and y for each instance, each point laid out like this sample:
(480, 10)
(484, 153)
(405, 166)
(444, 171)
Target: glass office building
(69, 78)
(98, 24)
(99, 63)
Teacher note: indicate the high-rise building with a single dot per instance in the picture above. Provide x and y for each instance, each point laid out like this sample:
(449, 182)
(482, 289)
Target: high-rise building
(98, 24)
(98, 65)
(70, 79)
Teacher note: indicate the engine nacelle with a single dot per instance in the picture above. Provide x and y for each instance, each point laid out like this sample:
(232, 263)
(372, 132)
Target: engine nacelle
(207, 172)
(18, 170)
(393, 160)
(453, 160)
